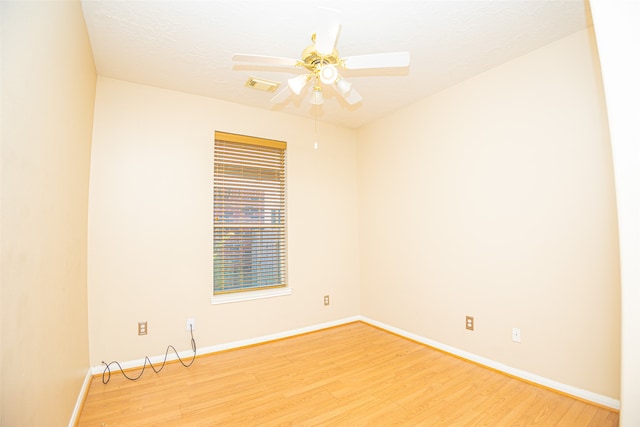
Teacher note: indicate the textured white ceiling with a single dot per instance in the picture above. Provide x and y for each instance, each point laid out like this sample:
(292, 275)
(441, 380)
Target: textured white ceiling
(188, 45)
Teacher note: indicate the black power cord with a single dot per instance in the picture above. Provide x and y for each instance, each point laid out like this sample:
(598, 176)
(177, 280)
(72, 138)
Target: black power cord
(107, 368)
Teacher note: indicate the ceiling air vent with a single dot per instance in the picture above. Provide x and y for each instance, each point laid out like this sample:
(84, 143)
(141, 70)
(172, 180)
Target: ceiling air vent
(261, 84)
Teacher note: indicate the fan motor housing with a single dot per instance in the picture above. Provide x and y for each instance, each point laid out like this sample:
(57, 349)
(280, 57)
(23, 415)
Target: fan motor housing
(313, 61)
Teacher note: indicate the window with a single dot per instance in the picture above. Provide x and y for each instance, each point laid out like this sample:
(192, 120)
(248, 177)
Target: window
(249, 229)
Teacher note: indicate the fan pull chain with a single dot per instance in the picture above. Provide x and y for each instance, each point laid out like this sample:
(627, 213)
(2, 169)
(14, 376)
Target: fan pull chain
(315, 131)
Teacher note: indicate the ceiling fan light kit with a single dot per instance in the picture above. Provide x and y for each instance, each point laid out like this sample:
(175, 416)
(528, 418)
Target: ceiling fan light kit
(322, 62)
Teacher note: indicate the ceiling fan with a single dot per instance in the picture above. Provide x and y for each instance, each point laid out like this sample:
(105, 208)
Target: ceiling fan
(320, 63)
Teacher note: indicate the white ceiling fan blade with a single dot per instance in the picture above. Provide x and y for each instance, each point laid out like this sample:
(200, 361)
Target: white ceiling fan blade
(264, 59)
(377, 60)
(327, 34)
(281, 96)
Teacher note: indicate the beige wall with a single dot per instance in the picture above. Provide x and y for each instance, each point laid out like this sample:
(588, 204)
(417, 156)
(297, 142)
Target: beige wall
(150, 223)
(1, 262)
(495, 199)
(617, 32)
(499, 192)
(48, 89)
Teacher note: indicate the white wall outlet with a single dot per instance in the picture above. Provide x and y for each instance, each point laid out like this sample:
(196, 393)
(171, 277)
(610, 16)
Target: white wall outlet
(326, 300)
(191, 324)
(515, 335)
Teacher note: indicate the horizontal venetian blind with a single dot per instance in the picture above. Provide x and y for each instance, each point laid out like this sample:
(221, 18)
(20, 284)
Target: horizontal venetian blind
(249, 230)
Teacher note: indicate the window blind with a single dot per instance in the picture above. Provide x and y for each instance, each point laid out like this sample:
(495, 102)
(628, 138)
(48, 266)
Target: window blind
(249, 229)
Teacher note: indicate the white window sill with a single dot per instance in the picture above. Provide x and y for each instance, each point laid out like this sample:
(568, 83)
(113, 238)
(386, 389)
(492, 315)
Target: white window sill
(249, 295)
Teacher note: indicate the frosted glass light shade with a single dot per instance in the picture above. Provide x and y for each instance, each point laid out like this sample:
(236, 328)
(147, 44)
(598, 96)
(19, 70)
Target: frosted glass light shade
(328, 74)
(296, 84)
(316, 97)
(343, 86)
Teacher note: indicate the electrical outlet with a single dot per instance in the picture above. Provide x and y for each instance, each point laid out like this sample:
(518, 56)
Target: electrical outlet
(191, 324)
(469, 323)
(326, 300)
(142, 328)
(515, 335)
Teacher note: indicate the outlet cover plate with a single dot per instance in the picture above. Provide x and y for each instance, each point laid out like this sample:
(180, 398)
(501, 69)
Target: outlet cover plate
(515, 335)
(142, 328)
(469, 323)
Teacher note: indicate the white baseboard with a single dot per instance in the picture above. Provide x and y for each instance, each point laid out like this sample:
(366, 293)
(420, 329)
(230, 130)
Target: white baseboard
(277, 336)
(80, 401)
(98, 370)
(527, 376)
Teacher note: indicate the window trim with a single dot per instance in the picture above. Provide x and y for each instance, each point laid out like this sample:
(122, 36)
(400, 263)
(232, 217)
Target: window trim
(251, 295)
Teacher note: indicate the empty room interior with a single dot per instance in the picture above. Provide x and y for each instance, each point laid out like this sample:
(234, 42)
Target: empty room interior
(467, 186)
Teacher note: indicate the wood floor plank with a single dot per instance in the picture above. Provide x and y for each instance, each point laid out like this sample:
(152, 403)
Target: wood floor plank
(351, 375)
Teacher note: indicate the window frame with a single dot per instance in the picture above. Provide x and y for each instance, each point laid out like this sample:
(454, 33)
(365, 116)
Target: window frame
(226, 170)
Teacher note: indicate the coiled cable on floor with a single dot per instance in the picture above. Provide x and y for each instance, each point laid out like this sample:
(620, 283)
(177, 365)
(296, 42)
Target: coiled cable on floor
(107, 369)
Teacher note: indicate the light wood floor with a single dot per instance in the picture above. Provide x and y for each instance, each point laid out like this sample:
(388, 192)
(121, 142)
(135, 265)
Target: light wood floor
(350, 375)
